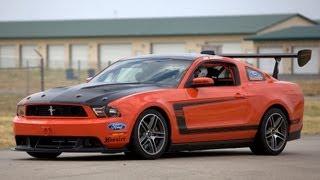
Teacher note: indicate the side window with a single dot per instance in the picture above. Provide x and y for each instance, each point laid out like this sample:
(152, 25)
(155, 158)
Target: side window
(223, 74)
(254, 75)
(226, 73)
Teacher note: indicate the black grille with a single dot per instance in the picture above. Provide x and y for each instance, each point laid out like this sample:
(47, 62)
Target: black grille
(40, 142)
(56, 110)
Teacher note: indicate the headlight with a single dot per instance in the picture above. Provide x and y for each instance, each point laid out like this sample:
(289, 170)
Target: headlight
(21, 110)
(112, 112)
(106, 111)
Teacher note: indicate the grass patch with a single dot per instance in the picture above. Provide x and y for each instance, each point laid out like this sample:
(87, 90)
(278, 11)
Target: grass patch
(6, 138)
(311, 125)
(15, 80)
(311, 119)
(8, 103)
(309, 87)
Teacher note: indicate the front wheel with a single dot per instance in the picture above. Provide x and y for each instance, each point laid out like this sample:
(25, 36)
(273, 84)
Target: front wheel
(272, 135)
(44, 155)
(150, 136)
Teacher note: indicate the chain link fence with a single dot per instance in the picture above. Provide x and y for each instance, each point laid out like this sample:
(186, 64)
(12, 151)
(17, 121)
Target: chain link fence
(16, 83)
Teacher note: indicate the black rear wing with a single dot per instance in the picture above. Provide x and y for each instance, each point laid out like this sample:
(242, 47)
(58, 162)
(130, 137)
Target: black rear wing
(303, 57)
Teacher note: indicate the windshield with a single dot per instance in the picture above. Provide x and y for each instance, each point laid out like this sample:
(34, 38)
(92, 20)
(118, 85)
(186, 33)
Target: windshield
(153, 71)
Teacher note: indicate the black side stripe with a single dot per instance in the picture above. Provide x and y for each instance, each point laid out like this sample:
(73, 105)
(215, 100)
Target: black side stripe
(234, 143)
(183, 129)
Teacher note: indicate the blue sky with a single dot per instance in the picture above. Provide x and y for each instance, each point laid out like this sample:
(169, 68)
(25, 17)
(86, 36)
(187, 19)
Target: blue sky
(97, 9)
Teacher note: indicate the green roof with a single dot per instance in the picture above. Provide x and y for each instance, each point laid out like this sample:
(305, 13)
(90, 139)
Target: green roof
(292, 33)
(207, 25)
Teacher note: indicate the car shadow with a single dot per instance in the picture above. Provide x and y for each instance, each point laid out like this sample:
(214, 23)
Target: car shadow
(172, 155)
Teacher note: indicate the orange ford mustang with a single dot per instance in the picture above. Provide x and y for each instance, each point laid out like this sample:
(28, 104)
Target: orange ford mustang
(153, 104)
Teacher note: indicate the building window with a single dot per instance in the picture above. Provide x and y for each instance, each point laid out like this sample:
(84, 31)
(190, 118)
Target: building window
(29, 56)
(8, 56)
(79, 56)
(56, 56)
(168, 48)
(109, 53)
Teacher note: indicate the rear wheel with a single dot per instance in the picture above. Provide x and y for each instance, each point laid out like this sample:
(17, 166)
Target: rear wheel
(44, 155)
(150, 136)
(272, 135)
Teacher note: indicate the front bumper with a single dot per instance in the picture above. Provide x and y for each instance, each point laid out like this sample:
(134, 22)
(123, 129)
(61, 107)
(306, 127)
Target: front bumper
(61, 144)
(77, 130)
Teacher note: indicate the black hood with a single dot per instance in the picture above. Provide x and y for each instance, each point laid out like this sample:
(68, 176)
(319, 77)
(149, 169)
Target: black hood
(88, 94)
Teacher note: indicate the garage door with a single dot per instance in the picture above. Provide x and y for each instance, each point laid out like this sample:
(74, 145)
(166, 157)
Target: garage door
(168, 48)
(231, 48)
(109, 53)
(29, 55)
(313, 65)
(56, 56)
(267, 64)
(8, 56)
(79, 54)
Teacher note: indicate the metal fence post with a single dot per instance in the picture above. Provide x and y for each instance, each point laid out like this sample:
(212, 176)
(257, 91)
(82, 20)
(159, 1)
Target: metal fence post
(28, 78)
(42, 74)
(79, 67)
(41, 69)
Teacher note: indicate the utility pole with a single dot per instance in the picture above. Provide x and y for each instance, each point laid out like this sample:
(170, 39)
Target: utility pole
(41, 69)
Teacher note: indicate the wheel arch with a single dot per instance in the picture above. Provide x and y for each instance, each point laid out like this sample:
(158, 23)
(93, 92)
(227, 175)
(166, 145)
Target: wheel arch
(164, 114)
(166, 117)
(278, 106)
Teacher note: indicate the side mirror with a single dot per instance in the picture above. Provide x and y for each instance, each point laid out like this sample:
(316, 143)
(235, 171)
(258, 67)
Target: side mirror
(88, 79)
(202, 81)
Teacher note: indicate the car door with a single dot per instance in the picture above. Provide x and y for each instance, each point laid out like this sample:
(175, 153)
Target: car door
(214, 109)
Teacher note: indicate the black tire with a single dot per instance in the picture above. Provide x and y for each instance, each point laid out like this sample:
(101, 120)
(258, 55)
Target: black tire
(44, 155)
(153, 147)
(271, 138)
(130, 155)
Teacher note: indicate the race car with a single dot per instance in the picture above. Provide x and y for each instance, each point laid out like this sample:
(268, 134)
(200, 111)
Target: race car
(149, 105)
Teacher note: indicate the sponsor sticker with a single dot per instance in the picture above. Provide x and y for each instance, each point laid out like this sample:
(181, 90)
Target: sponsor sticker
(116, 126)
(254, 75)
(115, 139)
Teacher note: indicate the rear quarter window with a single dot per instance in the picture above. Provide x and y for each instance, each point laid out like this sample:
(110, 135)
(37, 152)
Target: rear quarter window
(254, 75)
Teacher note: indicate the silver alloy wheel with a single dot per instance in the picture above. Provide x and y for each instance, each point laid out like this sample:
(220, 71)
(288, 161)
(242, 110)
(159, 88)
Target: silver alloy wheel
(151, 134)
(276, 131)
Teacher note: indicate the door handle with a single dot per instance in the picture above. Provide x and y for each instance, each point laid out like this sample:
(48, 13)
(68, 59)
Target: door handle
(239, 95)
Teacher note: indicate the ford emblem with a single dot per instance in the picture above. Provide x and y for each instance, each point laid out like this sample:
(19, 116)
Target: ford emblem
(117, 126)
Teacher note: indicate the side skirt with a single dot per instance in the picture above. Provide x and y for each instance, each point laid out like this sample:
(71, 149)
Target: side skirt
(237, 143)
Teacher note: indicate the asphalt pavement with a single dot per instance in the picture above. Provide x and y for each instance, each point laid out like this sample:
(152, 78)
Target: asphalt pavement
(300, 160)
